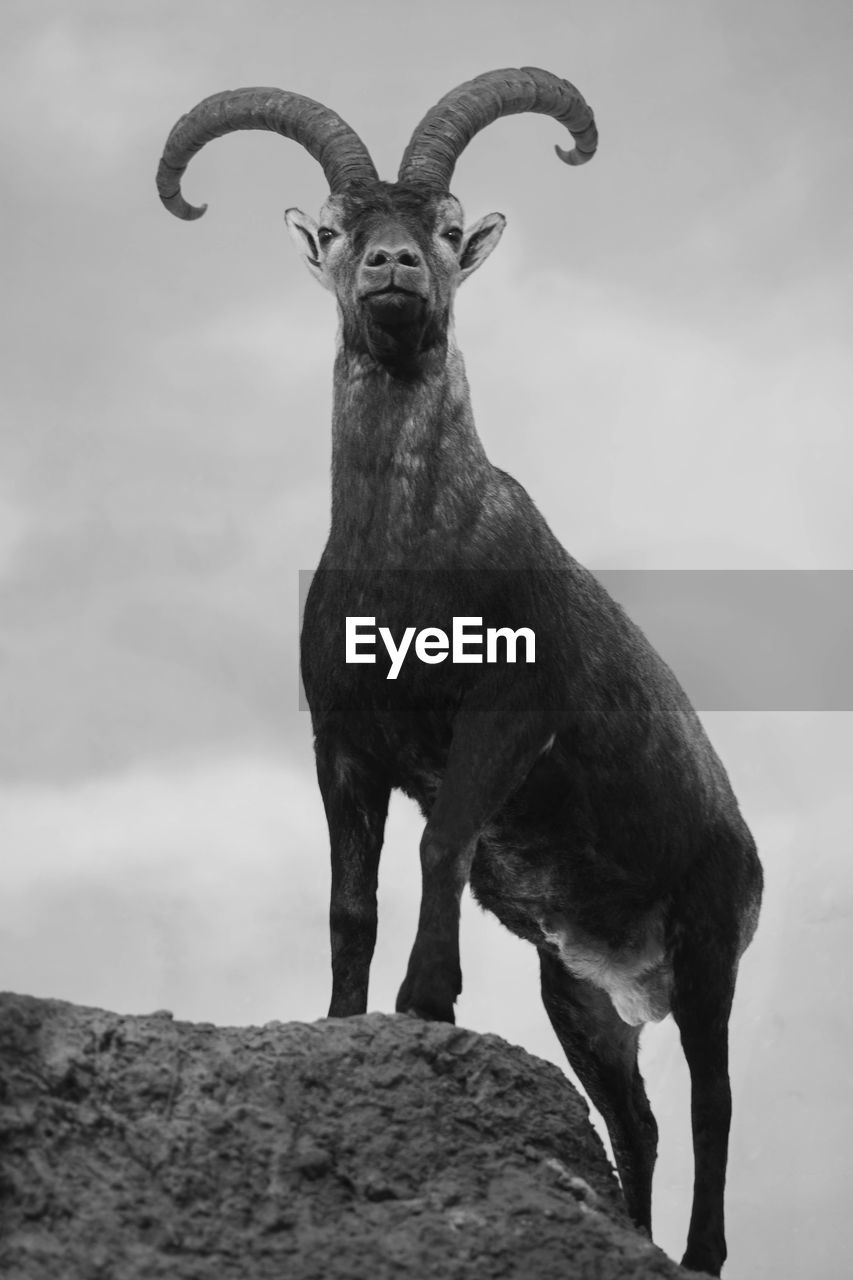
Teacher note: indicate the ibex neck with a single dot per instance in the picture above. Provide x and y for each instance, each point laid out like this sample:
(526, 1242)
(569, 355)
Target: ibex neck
(408, 468)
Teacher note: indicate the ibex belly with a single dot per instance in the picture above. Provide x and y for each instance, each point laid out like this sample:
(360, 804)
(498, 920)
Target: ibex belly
(637, 975)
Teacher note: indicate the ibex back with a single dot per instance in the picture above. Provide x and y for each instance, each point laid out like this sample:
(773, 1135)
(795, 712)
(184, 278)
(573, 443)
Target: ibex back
(578, 794)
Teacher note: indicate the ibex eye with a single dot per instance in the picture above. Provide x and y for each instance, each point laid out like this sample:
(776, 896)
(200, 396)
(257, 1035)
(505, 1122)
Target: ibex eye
(325, 235)
(454, 235)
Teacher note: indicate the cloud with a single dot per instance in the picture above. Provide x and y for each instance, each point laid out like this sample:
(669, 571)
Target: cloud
(83, 80)
(15, 527)
(627, 421)
(165, 884)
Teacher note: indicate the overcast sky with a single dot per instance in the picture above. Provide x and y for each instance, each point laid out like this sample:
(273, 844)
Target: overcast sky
(659, 350)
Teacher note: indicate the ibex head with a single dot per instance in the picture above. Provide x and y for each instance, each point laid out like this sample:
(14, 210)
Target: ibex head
(392, 253)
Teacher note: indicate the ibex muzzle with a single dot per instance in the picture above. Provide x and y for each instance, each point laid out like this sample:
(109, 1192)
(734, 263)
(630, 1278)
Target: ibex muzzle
(392, 281)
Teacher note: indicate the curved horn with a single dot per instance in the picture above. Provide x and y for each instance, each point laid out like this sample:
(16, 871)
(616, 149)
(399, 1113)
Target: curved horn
(446, 130)
(328, 138)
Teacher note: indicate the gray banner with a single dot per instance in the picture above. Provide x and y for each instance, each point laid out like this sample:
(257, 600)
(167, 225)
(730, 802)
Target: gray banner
(739, 640)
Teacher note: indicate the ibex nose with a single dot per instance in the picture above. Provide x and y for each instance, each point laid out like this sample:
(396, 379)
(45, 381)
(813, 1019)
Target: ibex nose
(403, 256)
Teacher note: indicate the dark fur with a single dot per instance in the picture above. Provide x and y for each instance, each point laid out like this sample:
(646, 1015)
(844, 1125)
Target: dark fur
(579, 797)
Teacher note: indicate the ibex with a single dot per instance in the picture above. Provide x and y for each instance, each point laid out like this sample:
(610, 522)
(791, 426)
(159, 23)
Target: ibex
(576, 794)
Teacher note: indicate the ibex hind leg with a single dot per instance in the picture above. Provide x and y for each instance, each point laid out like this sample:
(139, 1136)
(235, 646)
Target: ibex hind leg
(356, 803)
(602, 1051)
(498, 734)
(704, 969)
(715, 913)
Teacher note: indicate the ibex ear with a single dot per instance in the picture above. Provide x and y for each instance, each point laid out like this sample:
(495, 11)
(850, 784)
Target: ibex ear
(479, 242)
(303, 232)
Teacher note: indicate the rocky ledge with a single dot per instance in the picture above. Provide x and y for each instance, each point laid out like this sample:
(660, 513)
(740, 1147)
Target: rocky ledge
(134, 1148)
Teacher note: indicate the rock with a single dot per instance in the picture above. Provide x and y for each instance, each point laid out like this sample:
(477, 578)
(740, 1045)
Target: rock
(136, 1148)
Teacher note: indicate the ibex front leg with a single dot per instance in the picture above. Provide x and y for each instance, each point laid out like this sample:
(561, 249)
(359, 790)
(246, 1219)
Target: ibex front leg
(356, 802)
(496, 740)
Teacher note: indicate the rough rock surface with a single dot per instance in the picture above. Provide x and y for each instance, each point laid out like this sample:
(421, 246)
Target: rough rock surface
(374, 1147)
